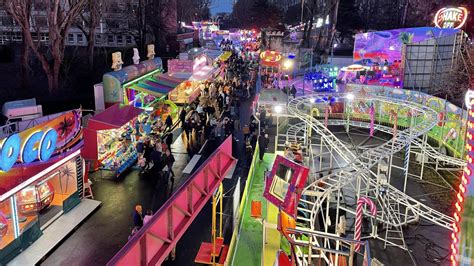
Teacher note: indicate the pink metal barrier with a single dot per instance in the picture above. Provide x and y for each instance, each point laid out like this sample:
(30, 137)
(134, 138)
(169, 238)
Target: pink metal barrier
(155, 240)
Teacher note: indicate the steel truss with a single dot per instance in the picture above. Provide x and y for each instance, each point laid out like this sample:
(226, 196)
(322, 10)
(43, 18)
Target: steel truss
(365, 174)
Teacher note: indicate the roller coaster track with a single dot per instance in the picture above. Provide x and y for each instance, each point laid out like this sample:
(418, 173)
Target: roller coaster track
(295, 133)
(395, 208)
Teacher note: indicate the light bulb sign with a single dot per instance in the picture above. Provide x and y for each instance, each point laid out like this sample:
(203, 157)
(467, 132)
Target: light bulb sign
(451, 17)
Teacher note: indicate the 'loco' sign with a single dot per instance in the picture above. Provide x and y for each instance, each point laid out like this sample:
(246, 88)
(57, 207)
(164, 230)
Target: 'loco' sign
(38, 145)
(451, 17)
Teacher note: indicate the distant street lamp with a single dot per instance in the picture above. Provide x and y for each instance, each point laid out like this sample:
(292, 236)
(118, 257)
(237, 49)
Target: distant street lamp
(287, 64)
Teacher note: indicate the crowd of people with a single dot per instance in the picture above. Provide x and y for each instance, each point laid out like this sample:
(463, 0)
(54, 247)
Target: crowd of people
(271, 80)
(214, 115)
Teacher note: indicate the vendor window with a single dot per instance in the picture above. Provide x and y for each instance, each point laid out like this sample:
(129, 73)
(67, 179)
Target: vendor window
(7, 223)
(44, 198)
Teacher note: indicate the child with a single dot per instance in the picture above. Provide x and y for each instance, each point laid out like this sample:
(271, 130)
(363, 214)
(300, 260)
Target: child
(148, 216)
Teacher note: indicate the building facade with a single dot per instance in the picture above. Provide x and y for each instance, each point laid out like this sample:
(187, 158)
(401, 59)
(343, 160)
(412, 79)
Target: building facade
(117, 27)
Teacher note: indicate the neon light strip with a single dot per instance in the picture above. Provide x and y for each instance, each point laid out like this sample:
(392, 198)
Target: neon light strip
(39, 175)
(142, 77)
(16, 227)
(462, 242)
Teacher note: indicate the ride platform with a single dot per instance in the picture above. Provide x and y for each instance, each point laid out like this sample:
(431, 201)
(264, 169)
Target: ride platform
(205, 255)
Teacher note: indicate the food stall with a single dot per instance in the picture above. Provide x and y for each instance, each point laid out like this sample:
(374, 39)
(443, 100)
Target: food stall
(109, 138)
(198, 70)
(186, 92)
(41, 178)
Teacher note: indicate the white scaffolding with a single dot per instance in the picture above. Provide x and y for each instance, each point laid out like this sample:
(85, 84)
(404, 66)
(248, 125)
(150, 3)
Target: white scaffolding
(352, 175)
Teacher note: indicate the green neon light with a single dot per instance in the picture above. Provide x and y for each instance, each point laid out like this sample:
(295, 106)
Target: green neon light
(140, 78)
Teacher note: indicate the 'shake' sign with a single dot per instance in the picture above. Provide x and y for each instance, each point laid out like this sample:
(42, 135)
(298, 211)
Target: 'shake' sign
(451, 17)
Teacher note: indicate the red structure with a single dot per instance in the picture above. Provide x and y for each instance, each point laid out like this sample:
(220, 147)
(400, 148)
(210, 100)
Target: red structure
(284, 185)
(155, 240)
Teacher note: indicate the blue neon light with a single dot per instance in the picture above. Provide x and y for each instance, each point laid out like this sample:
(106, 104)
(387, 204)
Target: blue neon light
(48, 144)
(29, 151)
(11, 148)
(9, 152)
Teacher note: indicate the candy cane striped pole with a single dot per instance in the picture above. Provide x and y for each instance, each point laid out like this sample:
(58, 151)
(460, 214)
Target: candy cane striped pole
(358, 225)
(326, 115)
(372, 119)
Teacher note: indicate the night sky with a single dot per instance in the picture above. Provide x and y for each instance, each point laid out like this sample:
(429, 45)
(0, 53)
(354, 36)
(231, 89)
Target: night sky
(221, 6)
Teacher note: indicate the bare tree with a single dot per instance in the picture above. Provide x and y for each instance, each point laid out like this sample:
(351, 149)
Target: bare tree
(320, 9)
(60, 15)
(189, 10)
(162, 19)
(88, 23)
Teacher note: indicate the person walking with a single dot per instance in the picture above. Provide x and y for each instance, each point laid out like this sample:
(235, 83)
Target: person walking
(262, 145)
(169, 140)
(169, 122)
(156, 158)
(182, 117)
(169, 160)
(246, 131)
(293, 91)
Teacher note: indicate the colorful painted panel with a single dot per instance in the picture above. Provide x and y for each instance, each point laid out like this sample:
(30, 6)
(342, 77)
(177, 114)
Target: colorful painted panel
(180, 66)
(284, 184)
(29, 152)
(376, 47)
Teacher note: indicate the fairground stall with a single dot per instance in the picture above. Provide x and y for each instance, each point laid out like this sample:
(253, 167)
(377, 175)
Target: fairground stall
(41, 177)
(110, 138)
(207, 29)
(142, 85)
(200, 67)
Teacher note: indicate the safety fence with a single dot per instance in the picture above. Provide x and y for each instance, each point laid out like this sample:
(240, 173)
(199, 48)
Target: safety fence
(243, 203)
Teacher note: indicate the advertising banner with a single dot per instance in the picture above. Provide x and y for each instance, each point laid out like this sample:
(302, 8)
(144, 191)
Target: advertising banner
(180, 66)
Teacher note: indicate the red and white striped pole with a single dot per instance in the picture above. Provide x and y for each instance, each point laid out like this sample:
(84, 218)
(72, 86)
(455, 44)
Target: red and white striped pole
(327, 110)
(372, 118)
(358, 225)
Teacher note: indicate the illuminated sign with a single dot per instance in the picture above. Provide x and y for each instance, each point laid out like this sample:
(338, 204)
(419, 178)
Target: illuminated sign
(451, 17)
(38, 145)
(199, 63)
(461, 246)
(270, 56)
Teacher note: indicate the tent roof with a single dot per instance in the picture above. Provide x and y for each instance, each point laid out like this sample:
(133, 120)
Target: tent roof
(115, 116)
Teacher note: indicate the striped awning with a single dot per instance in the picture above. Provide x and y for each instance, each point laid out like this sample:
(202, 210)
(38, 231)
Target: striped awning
(225, 56)
(158, 85)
